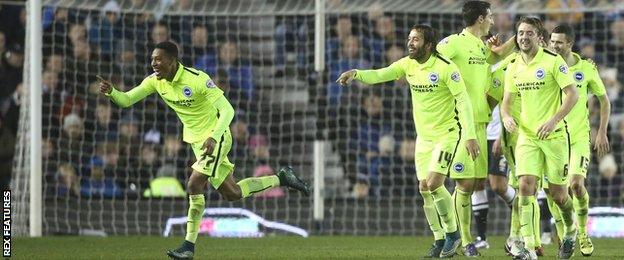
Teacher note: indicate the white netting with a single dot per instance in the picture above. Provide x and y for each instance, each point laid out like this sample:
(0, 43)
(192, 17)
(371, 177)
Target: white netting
(263, 53)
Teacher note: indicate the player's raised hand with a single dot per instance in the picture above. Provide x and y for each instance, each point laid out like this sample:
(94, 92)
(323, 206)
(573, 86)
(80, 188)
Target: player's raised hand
(494, 41)
(601, 144)
(209, 145)
(510, 124)
(105, 86)
(346, 77)
(473, 148)
(546, 129)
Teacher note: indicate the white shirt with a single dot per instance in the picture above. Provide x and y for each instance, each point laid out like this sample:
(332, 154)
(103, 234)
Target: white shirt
(494, 127)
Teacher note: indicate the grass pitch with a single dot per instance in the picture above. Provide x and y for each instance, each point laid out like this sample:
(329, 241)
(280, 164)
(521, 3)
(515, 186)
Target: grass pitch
(282, 247)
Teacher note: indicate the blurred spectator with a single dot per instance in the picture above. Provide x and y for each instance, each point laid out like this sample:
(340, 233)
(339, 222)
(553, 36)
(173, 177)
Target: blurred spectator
(365, 141)
(259, 146)
(54, 63)
(572, 11)
(106, 29)
(349, 58)
(77, 33)
(3, 44)
(97, 185)
(147, 167)
(72, 146)
(11, 70)
(238, 70)
(54, 36)
(275, 192)
(7, 149)
(199, 52)
(588, 51)
(610, 182)
(613, 88)
(240, 137)
(165, 184)
(103, 128)
(68, 183)
(380, 166)
(383, 37)
(615, 49)
(131, 71)
(174, 154)
(158, 33)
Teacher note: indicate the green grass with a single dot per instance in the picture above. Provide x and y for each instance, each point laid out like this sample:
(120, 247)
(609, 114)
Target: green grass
(319, 247)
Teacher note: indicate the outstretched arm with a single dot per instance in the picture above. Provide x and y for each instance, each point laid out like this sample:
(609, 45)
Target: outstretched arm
(125, 99)
(392, 72)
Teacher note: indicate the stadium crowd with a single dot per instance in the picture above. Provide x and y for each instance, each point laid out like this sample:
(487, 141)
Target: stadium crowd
(93, 149)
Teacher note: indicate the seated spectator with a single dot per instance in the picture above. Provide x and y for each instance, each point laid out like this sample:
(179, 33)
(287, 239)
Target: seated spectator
(106, 30)
(173, 153)
(380, 166)
(165, 184)
(54, 63)
(275, 192)
(383, 37)
(68, 183)
(97, 185)
(199, 51)
(239, 72)
(54, 36)
(349, 58)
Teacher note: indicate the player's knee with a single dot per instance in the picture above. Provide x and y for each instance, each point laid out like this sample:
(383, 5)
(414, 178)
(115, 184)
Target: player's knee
(577, 186)
(194, 186)
(560, 198)
(233, 195)
(499, 189)
(422, 185)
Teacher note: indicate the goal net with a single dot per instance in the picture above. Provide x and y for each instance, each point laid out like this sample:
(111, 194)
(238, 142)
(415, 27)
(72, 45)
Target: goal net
(119, 171)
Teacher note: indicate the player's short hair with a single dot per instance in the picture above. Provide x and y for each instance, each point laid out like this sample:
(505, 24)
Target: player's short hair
(170, 48)
(567, 30)
(473, 9)
(535, 22)
(532, 20)
(430, 35)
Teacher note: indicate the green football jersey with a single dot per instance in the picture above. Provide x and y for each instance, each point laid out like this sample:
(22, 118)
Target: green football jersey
(497, 87)
(435, 86)
(540, 84)
(587, 80)
(191, 94)
(470, 53)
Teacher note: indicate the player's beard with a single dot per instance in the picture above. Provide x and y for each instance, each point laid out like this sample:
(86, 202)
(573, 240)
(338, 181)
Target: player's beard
(418, 53)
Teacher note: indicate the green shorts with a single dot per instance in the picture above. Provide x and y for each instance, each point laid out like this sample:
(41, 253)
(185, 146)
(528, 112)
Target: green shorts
(440, 155)
(479, 168)
(509, 141)
(543, 158)
(579, 158)
(216, 165)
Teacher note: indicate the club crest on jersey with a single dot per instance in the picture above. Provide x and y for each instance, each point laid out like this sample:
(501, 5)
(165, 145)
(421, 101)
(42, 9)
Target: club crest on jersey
(563, 69)
(579, 76)
(187, 91)
(496, 83)
(433, 77)
(458, 167)
(539, 73)
(455, 76)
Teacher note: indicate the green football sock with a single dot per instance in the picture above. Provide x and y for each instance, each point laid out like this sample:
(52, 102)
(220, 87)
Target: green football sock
(463, 209)
(556, 214)
(254, 185)
(537, 229)
(442, 200)
(435, 224)
(195, 213)
(567, 214)
(581, 207)
(514, 229)
(527, 216)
